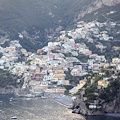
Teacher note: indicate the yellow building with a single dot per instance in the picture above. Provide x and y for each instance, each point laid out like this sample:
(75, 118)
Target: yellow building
(59, 76)
(40, 87)
(34, 82)
(37, 70)
(58, 72)
(103, 83)
(103, 35)
(81, 83)
(66, 82)
(116, 47)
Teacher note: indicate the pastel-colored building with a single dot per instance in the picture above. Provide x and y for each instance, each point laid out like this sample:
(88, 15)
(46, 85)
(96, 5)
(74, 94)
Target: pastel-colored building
(115, 60)
(103, 83)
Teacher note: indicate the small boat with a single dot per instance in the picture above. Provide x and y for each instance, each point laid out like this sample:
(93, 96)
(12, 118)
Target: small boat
(43, 97)
(14, 117)
(29, 96)
(10, 100)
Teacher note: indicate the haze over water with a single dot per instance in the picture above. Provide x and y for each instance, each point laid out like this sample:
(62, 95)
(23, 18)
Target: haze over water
(39, 109)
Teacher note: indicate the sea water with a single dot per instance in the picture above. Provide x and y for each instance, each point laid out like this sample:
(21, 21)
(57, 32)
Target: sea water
(39, 109)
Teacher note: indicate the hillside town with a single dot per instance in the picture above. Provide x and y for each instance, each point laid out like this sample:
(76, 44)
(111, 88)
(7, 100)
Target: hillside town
(45, 70)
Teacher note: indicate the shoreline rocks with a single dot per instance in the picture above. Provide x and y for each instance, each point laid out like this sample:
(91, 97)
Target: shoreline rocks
(79, 107)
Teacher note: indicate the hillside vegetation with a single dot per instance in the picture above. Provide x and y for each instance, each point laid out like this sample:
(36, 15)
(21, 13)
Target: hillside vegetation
(7, 79)
(38, 16)
(42, 18)
(106, 13)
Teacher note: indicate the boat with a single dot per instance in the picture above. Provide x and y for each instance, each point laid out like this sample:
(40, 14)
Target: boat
(10, 100)
(43, 97)
(14, 117)
(29, 96)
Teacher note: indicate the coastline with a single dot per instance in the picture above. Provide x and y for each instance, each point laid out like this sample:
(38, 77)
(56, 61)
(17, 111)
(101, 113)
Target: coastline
(35, 109)
(81, 117)
(113, 114)
(61, 103)
(61, 99)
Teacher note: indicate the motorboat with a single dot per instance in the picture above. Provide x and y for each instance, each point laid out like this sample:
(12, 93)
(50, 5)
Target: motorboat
(14, 117)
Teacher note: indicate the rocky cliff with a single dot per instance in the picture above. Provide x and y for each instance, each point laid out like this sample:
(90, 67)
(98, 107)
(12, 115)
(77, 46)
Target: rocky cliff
(79, 107)
(96, 5)
(113, 106)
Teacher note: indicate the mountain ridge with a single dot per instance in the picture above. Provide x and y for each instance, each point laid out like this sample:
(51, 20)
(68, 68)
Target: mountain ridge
(97, 5)
(43, 19)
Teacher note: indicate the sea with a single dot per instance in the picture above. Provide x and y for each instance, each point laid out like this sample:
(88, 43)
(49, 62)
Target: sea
(39, 109)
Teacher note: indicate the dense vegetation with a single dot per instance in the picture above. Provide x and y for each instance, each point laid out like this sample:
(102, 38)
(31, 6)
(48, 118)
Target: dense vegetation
(40, 17)
(7, 79)
(73, 79)
(83, 58)
(105, 94)
(111, 91)
(1, 54)
(6, 44)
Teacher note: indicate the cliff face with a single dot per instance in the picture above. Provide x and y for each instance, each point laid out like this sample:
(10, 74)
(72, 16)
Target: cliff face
(96, 5)
(79, 107)
(110, 2)
(113, 106)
